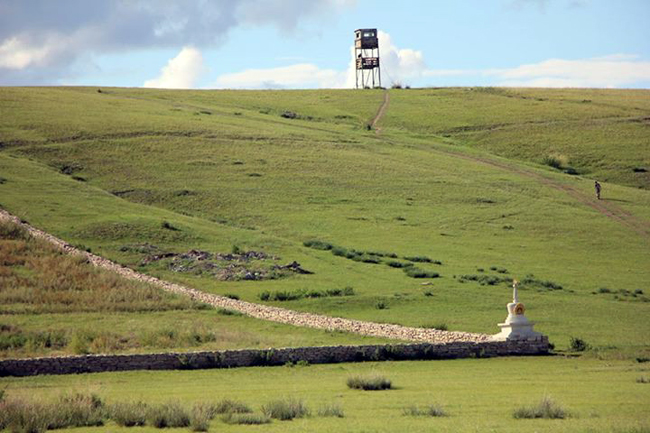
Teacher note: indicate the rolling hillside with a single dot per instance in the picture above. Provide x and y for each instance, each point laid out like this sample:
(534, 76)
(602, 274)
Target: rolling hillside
(456, 183)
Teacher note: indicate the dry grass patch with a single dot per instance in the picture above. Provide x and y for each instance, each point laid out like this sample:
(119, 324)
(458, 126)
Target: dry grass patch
(35, 277)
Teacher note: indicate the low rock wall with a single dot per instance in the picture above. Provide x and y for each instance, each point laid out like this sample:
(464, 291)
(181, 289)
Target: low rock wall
(259, 311)
(269, 357)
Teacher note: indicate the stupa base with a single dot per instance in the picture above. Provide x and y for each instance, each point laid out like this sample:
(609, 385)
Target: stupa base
(516, 331)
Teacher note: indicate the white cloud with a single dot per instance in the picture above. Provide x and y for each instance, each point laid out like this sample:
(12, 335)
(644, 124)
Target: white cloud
(300, 76)
(616, 70)
(181, 72)
(41, 41)
(407, 66)
(17, 53)
(448, 72)
(397, 65)
(611, 71)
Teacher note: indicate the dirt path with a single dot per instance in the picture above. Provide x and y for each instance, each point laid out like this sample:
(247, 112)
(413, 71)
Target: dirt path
(604, 207)
(380, 113)
(259, 311)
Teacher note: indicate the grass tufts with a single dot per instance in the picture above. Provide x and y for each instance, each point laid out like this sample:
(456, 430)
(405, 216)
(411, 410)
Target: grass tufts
(432, 410)
(372, 382)
(170, 414)
(414, 272)
(288, 295)
(77, 410)
(231, 406)
(418, 259)
(22, 416)
(370, 259)
(398, 265)
(130, 414)
(578, 344)
(245, 419)
(228, 312)
(547, 408)
(200, 417)
(438, 326)
(484, 280)
(286, 409)
(381, 305)
(331, 410)
(554, 161)
(543, 284)
(318, 245)
(74, 410)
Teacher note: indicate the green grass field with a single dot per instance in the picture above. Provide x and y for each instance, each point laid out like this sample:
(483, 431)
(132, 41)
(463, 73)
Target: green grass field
(458, 175)
(478, 395)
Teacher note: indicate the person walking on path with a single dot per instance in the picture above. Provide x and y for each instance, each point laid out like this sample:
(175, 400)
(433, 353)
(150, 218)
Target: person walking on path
(598, 188)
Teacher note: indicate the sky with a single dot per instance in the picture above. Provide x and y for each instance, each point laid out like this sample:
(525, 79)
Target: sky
(287, 44)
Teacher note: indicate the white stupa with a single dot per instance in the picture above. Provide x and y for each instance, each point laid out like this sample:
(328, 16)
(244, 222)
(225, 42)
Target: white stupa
(516, 326)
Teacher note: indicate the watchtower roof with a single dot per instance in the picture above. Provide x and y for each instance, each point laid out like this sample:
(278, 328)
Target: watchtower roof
(365, 33)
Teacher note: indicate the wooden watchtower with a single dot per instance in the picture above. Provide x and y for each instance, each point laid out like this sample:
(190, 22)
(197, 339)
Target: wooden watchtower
(366, 54)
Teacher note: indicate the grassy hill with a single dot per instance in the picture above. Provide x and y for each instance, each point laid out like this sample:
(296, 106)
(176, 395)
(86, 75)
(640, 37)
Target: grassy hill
(48, 299)
(601, 134)
(182, 170)
(464, 188)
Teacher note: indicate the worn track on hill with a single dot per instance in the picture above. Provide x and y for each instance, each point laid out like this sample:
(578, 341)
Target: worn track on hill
(604, 207)
(259, 311)
(380, 113)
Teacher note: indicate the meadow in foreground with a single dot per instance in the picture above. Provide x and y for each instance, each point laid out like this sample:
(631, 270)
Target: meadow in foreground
(473, 395)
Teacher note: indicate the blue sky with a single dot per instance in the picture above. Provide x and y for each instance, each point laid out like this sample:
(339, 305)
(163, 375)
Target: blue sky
(306, 43)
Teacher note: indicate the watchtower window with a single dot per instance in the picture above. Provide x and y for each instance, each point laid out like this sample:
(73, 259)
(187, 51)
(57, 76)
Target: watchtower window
(369, 35)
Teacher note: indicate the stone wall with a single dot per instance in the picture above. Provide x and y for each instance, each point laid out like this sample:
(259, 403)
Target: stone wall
(261, 357)
(259, 311)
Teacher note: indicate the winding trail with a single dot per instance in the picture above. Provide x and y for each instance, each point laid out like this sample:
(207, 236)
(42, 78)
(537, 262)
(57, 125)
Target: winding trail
(604, 207)
(259, 311)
